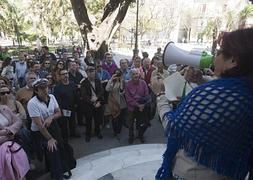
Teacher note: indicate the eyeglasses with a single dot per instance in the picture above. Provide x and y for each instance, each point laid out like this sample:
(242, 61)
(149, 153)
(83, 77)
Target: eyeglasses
(4, 93)
(47, 63)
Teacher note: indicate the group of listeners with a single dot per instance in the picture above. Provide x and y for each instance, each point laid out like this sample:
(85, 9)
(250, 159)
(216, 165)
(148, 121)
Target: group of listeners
(43, 99)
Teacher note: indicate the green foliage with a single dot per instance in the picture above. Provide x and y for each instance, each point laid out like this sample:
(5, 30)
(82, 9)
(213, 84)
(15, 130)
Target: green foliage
(213, 25)
(246, 12)
(95, 6)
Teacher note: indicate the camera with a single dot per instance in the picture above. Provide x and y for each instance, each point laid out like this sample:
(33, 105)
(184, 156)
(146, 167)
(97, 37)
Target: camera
(118, 74)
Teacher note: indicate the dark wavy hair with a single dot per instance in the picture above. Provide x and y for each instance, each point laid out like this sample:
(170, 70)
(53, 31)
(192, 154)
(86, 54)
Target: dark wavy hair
(239, 46)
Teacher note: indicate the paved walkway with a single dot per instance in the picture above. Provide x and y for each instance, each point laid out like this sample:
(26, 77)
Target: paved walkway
(153, 135)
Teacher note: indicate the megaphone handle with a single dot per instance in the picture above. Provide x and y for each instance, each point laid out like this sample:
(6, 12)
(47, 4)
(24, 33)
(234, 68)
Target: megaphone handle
(184, 90)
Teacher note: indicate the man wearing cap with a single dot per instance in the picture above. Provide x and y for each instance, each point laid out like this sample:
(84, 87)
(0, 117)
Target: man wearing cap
(92, 98)
(44, 111)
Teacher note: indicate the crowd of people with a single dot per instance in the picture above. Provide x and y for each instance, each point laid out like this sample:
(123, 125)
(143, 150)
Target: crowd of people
(48, 96)
(44, 98)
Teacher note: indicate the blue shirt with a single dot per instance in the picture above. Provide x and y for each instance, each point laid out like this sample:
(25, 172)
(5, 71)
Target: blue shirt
(103, 75)
(126, 75)
(20, 69)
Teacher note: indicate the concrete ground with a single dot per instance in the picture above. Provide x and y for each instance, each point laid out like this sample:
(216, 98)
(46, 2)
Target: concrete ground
(154, 134)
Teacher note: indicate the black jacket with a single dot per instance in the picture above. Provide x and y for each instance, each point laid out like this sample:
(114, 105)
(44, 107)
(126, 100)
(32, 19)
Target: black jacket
(86, 91)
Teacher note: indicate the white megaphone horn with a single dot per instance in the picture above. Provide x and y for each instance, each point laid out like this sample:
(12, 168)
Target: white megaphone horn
(175, 55)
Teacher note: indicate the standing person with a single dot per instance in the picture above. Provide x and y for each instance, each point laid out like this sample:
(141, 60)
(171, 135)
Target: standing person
(44, 111)
(137, 96)
(210, 133)
(92, 99)
(65, 93)
(116, 101)
(24, 94)
(108, 64)
(47, 55)
(147, 69)
(75, 76)
(137, 65)
(89, 59)
(36, 67)
(159, 53)
(160, 72)
(8, 71)
(59, 65)
(20, 69)
(124, 67)
(46, 66)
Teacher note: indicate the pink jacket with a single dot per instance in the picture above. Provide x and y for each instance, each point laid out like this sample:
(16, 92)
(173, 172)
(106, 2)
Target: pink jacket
(13, 166)
(14, 125)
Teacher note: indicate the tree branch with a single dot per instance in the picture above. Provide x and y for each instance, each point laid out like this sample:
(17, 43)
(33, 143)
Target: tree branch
(81, 15)
(110, 7)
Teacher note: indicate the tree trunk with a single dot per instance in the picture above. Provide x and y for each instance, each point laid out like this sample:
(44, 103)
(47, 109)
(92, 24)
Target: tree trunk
(95, 37)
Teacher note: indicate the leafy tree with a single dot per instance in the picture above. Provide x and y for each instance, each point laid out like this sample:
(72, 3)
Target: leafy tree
(230, 20)
(13, 22)
(244, 14)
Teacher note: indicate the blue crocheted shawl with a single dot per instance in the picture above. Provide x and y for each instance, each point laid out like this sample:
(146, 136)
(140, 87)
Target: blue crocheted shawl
(214, 126)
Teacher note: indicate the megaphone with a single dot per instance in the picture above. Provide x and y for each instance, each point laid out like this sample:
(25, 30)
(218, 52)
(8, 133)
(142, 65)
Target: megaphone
(174, 55)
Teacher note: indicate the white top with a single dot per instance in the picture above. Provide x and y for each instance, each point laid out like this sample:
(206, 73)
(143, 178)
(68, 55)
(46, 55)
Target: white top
(37, 108)
(3, 120)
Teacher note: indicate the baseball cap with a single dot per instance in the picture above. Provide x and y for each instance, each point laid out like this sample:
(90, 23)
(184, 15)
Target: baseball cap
(40, 82)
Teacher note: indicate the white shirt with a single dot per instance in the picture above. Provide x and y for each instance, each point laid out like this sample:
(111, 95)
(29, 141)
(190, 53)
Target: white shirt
(37, 108)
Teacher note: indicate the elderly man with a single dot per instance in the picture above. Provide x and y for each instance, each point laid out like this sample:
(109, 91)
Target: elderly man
(24, 94)
(20, 69)
(137, 97)
(109, 65)
(92, 95)
(44, 111)
(124, 67)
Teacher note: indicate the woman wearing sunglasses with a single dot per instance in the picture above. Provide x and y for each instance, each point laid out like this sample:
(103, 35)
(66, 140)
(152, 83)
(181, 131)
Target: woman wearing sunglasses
(8, 99)
(13, 159)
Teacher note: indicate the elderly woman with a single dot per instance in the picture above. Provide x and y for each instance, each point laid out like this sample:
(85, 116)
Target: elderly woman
(13, 160)
(116, 101)
(10, 124)
(9, 100)
(210, 134)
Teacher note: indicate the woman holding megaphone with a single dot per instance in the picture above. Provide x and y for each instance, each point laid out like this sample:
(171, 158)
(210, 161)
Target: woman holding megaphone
(210, 133)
